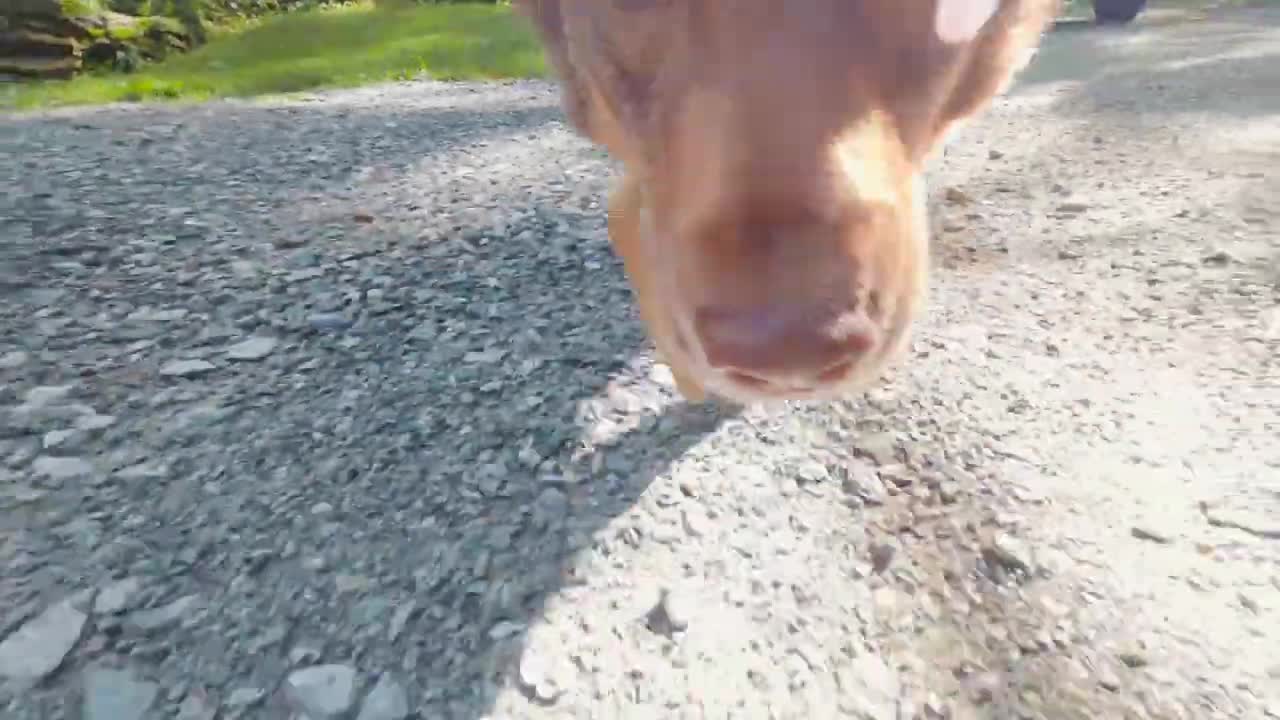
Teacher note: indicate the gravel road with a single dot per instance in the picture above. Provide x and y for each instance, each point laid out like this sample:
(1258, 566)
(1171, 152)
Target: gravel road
(336, 407)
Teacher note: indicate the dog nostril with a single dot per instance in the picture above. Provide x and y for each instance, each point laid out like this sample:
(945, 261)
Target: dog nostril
(784, 343)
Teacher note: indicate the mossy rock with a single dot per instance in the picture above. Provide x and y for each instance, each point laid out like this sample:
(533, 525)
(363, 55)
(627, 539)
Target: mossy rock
(100, 33)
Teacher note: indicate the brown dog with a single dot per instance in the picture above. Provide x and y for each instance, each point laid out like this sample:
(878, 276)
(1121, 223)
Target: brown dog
(771, 215)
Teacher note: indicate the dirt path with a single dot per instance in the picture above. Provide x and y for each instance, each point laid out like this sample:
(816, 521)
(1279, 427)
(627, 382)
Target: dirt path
(336, 407)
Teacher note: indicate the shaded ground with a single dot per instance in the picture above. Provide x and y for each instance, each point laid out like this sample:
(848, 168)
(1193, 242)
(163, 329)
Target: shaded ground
(352, 382)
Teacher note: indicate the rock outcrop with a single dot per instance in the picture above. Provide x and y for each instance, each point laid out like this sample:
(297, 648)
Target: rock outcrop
(57, 39)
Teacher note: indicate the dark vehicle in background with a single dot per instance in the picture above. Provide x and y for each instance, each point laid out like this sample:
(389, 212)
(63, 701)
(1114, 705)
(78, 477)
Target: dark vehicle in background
(1117, 11)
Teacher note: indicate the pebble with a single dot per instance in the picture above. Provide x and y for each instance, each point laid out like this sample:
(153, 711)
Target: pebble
(187, 368)
(245, 697)
(670, 615)
(400, 618)
(322, 692)
(164, 616)
(1146, 533)
(38, 647)
(328, 322)
(13, 360)
(303, 655)
(386, 701)
(535, 678)
(45, 395)
(94, 422)
(117, 597)
(860, 479)
(111, 694)
(62, 468)
(1011, 552)
(255, 348)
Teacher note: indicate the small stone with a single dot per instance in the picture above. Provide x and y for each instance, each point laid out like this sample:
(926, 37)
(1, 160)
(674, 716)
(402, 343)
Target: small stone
(322, 692)
(255, 348)
(956, 196)
(62, 468)
(38, 647)
(386, 701)
(1132, 659)
(45, 395)
(67, 439)
(1219, 257)
(117, 597)
(1072, 207)
(505, 629)
(164, 616)
(882, 555)
(111, 694)
(94, 422)
(535, 678)
(245, 697)
(13, 360)
(328, 322)
(303, 655)
(860, 479)
(400, 618)
(994, 155)
(1010, 552)
(812, 471)
(670, 615)
(187, 368)
(1145, 533)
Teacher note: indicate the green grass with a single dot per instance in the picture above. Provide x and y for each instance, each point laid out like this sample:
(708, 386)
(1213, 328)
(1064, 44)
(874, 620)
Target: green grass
(333, 47)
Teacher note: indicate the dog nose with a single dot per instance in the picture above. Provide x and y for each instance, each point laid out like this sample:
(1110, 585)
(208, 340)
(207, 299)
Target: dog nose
(785, 343)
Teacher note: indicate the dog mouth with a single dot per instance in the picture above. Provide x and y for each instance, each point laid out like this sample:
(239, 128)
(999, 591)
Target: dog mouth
(747, 388)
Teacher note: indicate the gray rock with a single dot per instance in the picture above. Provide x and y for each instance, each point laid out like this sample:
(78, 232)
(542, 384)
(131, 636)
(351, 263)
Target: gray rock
(13, 360)
(164, 616)
(670, 615)
(111, 694)
(323, 692)
(1010, 552)
(62, 468)
(404, 612)
(386, 701)
(328, 322)
(46, 395)
(245, 697)
(255, 348)
(65, 439)
(38, 647)
(860, 479)
(94, 422)
(187, 368)
(303, 655)
(117, 597)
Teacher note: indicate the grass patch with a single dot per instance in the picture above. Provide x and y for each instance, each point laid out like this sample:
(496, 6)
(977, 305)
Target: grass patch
(339, 46)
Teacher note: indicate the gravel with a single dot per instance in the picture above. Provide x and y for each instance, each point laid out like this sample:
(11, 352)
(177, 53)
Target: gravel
(338, 404)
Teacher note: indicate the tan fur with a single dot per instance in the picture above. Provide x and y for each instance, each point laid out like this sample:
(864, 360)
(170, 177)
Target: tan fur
(773, 152)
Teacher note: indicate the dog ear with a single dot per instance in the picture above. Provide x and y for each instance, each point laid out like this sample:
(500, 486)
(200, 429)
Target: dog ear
(1002, 37)
(547, 17)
